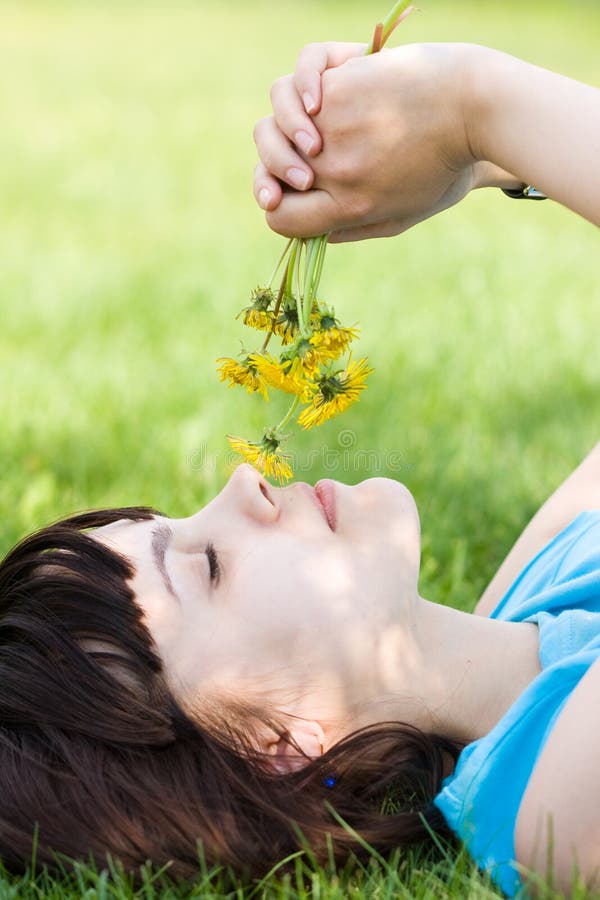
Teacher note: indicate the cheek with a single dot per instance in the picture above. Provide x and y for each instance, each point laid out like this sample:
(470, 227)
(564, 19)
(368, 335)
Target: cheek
(158, 614)
(287, 638)
(309, 613)
(290, 585)
(388, 542)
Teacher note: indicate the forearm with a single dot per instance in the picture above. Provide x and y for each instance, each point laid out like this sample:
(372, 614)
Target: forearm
(543, 127)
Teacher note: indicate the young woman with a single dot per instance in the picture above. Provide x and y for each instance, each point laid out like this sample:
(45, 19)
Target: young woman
(219, 678)
(243, 682)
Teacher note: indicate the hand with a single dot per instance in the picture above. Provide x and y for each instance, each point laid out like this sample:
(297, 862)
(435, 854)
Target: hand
(384, 147)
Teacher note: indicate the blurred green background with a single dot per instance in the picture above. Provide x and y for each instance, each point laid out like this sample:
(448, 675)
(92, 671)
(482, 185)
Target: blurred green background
(130, 240)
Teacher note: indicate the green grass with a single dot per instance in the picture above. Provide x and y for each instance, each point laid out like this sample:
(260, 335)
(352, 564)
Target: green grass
(130, 239)
(421, 876)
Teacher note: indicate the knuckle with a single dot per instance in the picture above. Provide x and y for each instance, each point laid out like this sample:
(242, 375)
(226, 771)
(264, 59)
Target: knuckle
(330, 85)
(309, 49)
(354, 208)
(341, 169)
(277, 87)
(259, 128)
(309, 62)
(273, 91)
(273, 162)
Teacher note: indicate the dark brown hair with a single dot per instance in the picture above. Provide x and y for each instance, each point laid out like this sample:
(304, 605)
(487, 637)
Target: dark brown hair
(99, 758)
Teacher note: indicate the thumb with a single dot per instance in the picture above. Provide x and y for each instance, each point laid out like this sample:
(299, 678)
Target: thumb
(305, 214)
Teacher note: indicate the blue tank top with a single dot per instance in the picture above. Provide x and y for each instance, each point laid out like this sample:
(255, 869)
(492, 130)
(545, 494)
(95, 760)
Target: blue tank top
(559, 590)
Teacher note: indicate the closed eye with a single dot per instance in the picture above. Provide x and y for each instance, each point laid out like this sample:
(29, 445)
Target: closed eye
(213, 563)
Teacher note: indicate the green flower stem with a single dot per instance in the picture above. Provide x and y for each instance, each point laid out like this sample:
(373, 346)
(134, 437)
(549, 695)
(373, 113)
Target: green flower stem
(314, 267)
(311, 258)
(279, 262)
(323, 250)
(288, 415)
(298, 270)
(312, 249)
(320, 259)
(289, 284)
(389, 22)
(276, 308)
(300, 291)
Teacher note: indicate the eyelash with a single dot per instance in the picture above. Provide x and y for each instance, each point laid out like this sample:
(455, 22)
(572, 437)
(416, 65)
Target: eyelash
(213, 563)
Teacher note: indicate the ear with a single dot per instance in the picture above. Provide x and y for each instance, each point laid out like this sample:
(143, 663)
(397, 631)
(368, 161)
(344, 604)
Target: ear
(309, 736)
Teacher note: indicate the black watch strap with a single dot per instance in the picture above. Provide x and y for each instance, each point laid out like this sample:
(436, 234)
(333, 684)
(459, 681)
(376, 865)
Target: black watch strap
(527, 192)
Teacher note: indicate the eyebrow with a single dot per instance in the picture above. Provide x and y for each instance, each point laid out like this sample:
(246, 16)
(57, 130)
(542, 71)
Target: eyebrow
(161, 538)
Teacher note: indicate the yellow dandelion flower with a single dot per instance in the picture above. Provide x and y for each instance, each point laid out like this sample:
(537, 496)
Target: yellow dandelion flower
(244, 373)
(309, 357)
(334, 339)
(335, 393)
(275, 465)
(286, 324)
(264, 455)
(257, 315)
(288, 375)
(260, 319)
(262, 298)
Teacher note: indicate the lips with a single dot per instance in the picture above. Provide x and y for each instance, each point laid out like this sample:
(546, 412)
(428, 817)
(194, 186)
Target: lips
(325, 493)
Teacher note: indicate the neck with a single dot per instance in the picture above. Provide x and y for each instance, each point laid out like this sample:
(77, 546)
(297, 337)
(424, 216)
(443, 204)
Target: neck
(450, 672)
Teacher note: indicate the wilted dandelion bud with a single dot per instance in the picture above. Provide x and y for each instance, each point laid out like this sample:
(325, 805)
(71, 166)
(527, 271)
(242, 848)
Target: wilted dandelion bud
(258, 314)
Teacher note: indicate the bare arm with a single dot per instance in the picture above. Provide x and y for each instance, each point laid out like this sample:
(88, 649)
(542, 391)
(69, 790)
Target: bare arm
(580, 492)
(543, 127)
(558, 824)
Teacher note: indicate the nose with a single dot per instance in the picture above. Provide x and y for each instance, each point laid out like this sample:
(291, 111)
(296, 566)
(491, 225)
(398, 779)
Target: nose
(251, 494)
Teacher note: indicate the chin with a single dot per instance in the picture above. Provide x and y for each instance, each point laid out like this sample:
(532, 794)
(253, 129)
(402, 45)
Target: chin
(384, 515)
(383, 504)
(391, 494)
(389, 487)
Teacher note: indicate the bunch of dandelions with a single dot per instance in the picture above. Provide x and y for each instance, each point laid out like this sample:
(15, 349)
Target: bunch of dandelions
(309, 363)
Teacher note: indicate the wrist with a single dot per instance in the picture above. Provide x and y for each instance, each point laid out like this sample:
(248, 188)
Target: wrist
(485, 73)
(489, 175)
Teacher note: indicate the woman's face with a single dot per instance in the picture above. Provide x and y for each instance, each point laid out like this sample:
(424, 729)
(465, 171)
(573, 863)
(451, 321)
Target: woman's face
(278, 592)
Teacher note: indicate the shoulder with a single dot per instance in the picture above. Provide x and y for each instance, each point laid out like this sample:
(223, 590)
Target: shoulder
(558, 823)
(580, 491)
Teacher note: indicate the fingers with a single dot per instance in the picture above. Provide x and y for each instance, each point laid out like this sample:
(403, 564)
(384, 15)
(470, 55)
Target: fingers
(267, 190)
(294, 95)
(279, 156)
(313, 60)
(291, 116)
(287, 138)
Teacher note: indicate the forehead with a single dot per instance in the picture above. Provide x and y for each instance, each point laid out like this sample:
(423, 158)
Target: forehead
(127, 536)
(143, 544)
